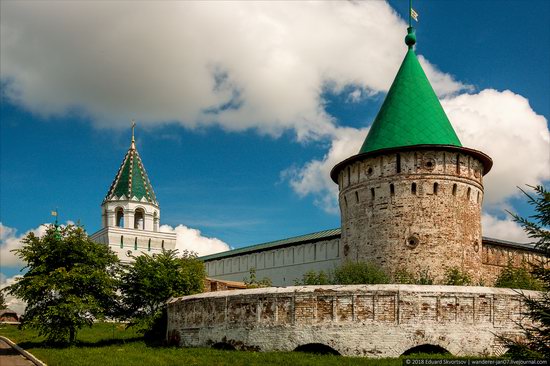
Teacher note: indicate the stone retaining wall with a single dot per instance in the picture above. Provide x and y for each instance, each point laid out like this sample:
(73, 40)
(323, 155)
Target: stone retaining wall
(355, 320)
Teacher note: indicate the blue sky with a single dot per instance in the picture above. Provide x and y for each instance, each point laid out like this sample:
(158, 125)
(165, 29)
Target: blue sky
(241, 153)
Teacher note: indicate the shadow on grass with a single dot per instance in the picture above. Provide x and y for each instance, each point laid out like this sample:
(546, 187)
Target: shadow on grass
(80, 344)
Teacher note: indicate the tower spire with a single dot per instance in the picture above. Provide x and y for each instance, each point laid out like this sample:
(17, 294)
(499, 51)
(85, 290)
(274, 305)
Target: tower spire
(133, 139)
(410, 39)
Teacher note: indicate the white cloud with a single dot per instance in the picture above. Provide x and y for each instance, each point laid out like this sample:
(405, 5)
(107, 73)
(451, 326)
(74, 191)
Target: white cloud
(12, 302)
(9, 240)
(504, 229)
(241, 65)
(314, 177)
(503, 125)
(192, 240)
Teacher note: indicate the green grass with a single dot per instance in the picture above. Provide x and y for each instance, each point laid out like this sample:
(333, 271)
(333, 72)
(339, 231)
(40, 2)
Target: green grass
(107, 344)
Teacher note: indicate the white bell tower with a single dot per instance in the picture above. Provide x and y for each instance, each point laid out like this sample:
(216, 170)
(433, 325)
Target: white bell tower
(131, 213)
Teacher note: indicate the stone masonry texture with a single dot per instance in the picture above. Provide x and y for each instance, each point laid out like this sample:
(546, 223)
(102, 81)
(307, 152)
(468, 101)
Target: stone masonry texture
(354, 320)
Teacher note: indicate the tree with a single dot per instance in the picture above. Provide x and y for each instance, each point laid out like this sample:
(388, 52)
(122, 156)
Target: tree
(455, 277)
(314, 278)
(537, 227)
(2, 300)
(69, 283)
(148, 282)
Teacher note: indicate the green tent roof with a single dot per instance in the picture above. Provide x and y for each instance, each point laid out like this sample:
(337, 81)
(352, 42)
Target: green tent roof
(131, 180)
(411, 113)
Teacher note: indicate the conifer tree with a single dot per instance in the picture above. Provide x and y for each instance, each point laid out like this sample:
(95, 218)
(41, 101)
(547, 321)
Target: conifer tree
(537, 227)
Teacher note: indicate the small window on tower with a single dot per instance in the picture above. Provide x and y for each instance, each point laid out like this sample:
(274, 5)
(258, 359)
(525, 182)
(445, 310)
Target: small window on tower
(436, 188)
(372, 193)
(468, 193)
(122, 241)
(454, 189)
(162, 244)
(135, 244)
(413, 188)
(119, 217)
(392, 189)
(356, 197)
(149, 245)
(398, 163)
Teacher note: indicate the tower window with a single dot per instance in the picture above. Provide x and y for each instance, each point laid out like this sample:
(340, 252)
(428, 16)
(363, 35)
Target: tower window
(436, 187)
(135, 244)
(372, 193)
(122, 241)
(457, 164)
(356, 196)
(413, 188)
(392, 189)
(139, 219)
(398, 163)
(162, 244)
(149, 245)
(478, 197)
(454, 189)
(119, 217)
(468, 193)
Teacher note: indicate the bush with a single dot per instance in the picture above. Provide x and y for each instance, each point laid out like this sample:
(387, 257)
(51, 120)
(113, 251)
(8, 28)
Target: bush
(518, 277)
(352, 273)
(455, 277)
(314, 278)
(422, 277)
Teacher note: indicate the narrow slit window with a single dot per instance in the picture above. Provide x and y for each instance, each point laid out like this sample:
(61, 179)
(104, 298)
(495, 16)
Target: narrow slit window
(413, 188)
(478, 197)
(162, 244)
(356, 196)
(345, 202)
(122, 241)
(457, 164)
(454, 189)
(392, 189)
(135, 244)
(372, 193)
(468, 193)
(398, 163)
(436, 188)
(149, 245)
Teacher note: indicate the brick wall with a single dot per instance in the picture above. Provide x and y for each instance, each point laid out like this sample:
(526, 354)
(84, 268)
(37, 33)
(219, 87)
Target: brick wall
(361, 320)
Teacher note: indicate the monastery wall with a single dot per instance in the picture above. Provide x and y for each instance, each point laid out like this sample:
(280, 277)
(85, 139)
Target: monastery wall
(358, 320)
(282, 265)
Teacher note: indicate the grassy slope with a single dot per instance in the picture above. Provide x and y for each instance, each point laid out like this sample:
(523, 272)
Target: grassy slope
(108, 344)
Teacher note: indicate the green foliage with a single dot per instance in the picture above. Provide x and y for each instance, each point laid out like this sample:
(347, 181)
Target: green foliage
(149, 281)
(455, 277)
(314, 278)
(2, 300)
(536, 227)
(407, 278)
(70, 282)
(520, 278)
(253, 282)
(351, 273)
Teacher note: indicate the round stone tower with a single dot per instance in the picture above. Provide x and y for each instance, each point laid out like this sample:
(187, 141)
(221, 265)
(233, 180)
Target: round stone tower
(411, 198)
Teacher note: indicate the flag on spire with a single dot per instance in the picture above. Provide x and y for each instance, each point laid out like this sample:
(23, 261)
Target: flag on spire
(414, 15)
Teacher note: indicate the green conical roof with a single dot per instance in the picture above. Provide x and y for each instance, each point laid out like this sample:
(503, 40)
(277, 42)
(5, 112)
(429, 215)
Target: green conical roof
(131, 180)
(411, 113)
